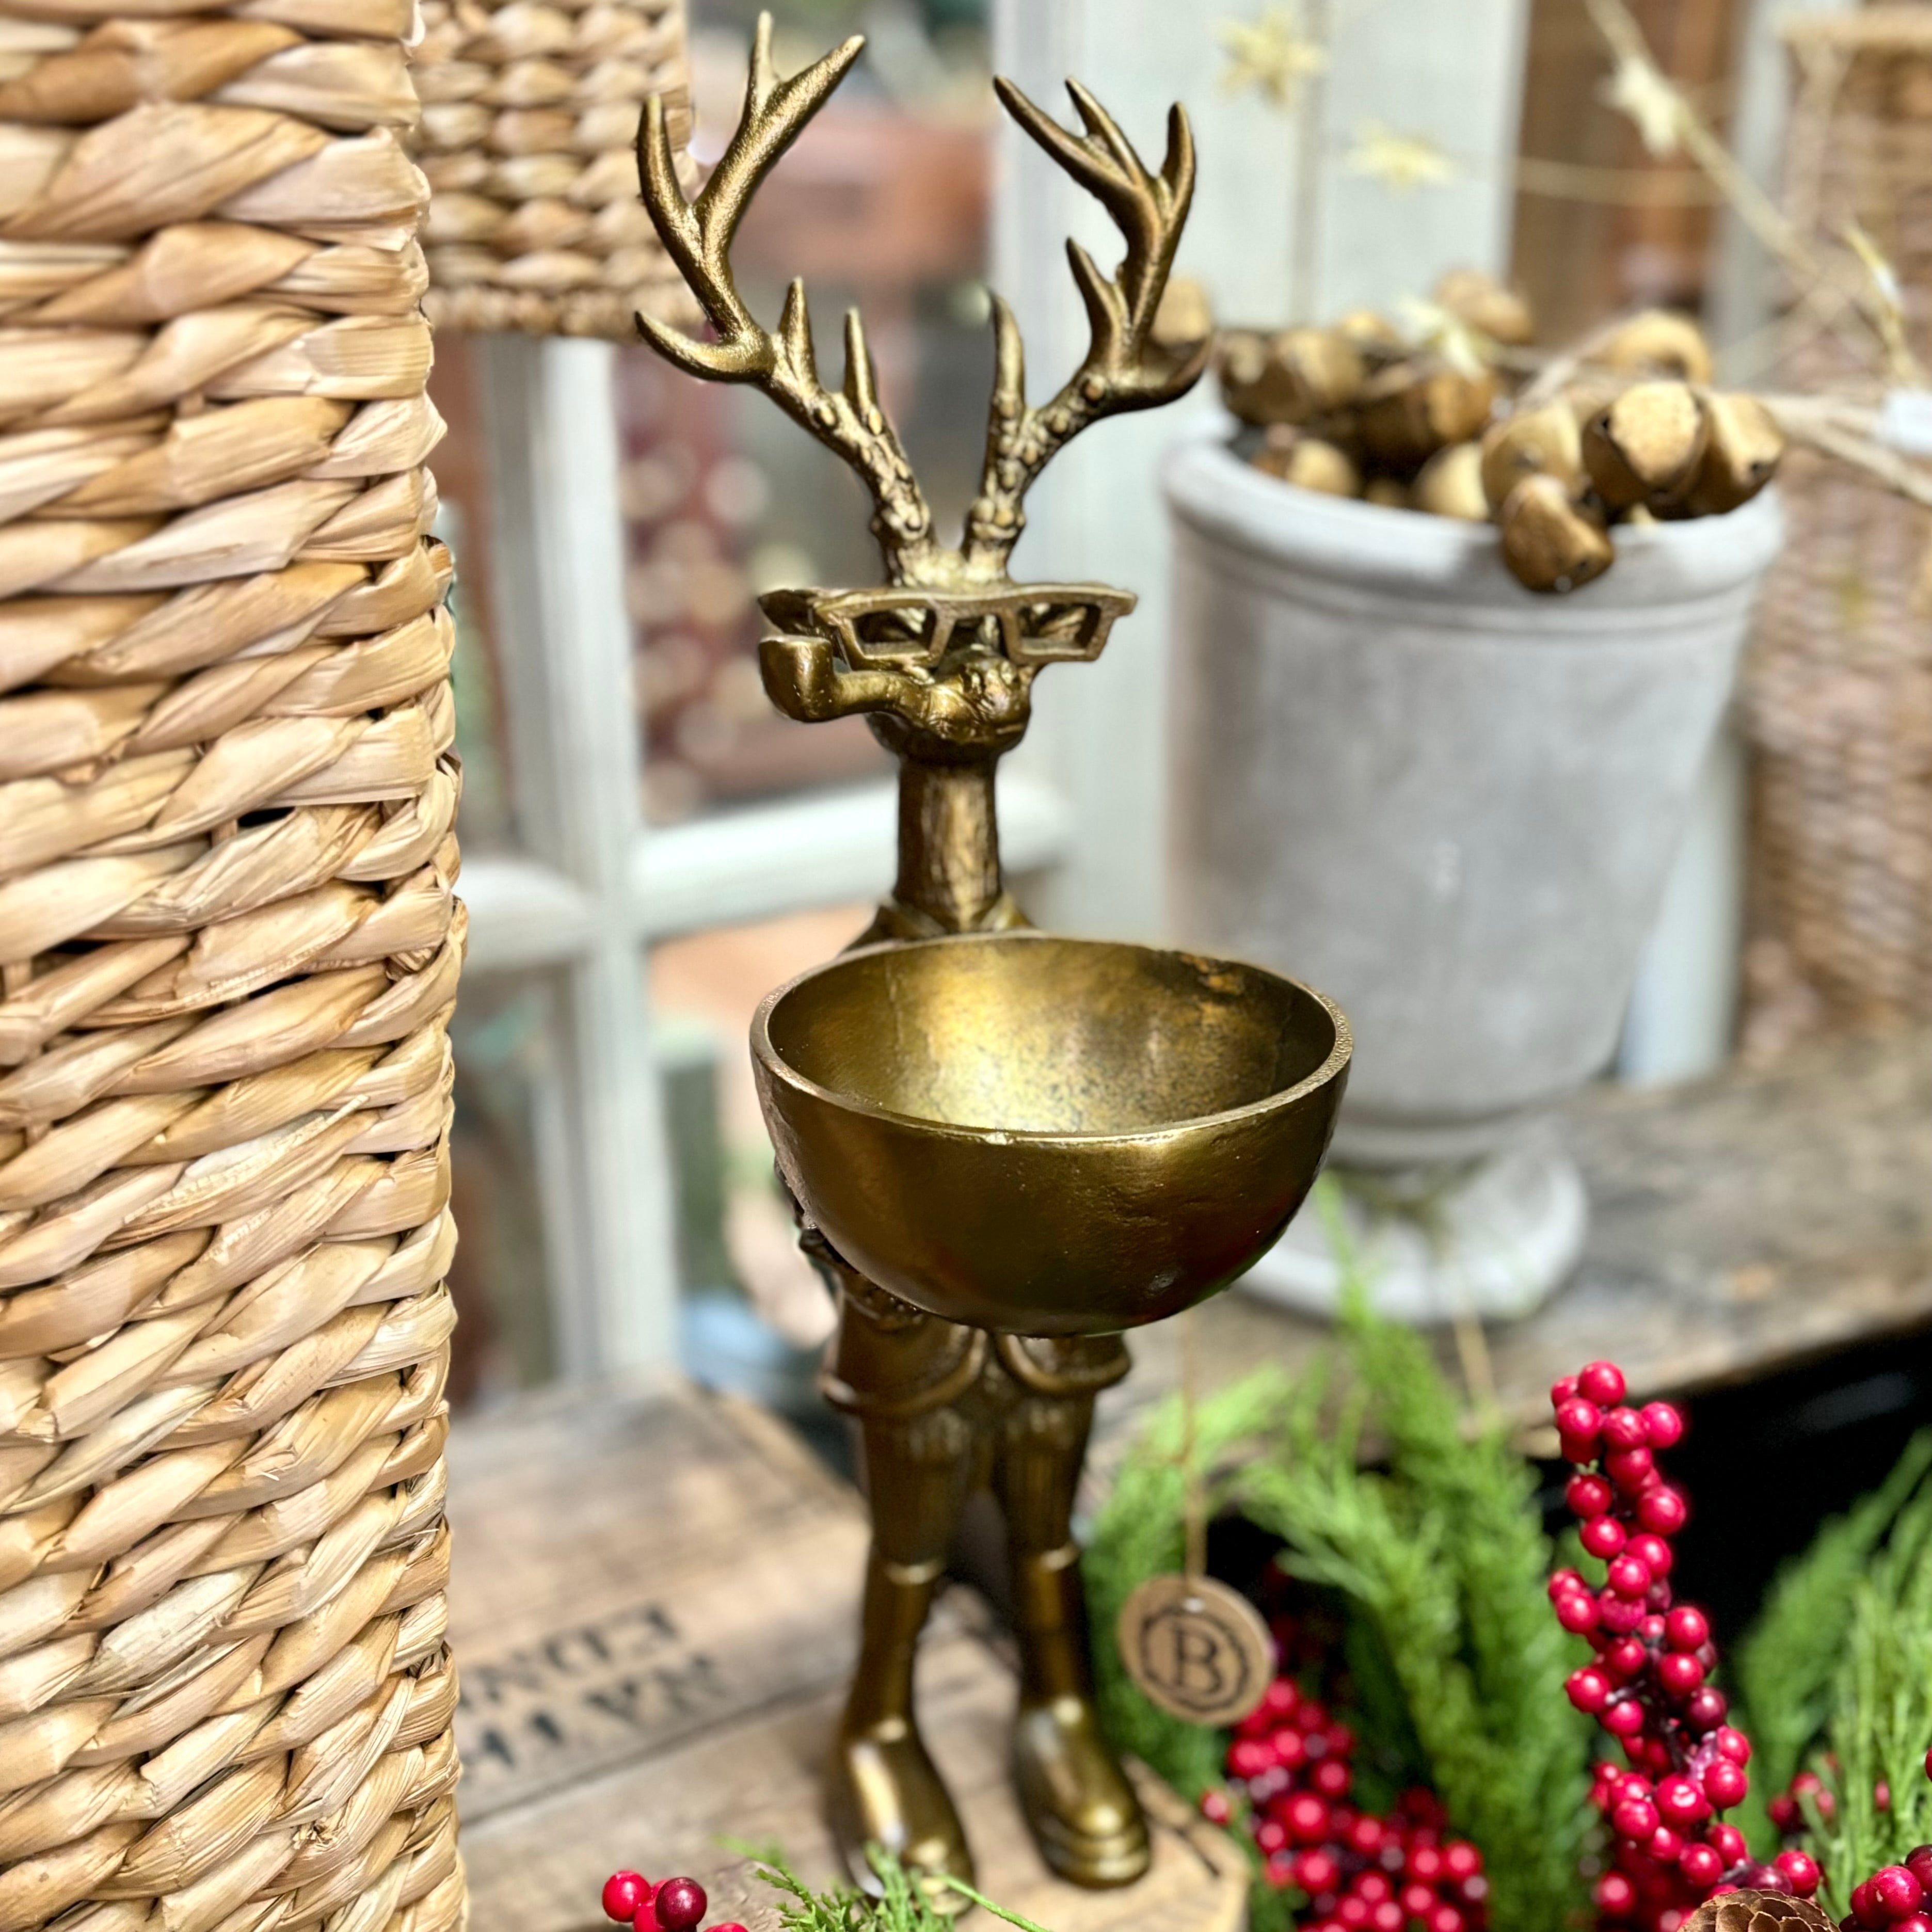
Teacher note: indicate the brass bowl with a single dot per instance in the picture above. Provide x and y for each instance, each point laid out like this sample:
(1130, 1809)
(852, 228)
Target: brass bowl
(1050, 1136)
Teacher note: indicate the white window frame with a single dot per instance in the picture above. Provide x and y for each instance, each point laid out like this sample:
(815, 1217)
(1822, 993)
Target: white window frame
(1082, 805)
(594, 885)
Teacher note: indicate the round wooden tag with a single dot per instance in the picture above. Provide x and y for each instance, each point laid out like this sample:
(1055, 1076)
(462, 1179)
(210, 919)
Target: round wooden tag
(1197, 1648)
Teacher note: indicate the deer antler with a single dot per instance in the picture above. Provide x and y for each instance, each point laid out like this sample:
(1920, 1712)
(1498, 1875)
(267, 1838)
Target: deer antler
(1124, 368)
(697, 237)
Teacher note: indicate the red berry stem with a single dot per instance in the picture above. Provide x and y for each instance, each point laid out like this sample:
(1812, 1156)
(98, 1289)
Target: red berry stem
(1648, 1683)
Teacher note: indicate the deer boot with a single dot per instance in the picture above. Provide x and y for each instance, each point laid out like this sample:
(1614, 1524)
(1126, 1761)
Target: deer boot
(1077, 1801)
(884, 1789)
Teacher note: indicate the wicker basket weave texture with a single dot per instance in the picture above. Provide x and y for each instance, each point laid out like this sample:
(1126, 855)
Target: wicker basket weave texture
(530, 112)
(1838, 689)
(229, 948)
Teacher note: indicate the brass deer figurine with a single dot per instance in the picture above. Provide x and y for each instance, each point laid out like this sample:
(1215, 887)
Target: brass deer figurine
(942, 659)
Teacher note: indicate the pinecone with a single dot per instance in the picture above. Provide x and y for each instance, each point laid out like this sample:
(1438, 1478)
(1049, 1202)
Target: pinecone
(1758, 1911)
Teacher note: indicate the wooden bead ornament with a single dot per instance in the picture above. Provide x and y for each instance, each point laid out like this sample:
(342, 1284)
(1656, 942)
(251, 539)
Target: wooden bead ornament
(1552, 541)
(1451, 484)
(1541, 441)
(1645, 447)
(1741, 454)
(1306, 461)
(1482, 304)
(1410, 409)
(1193, 1647)
(1658, 342)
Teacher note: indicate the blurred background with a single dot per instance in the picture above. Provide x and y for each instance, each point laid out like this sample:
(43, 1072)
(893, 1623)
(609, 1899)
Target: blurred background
(649, 848)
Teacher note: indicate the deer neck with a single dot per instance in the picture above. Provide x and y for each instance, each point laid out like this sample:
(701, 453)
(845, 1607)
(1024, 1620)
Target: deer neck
(949, 876)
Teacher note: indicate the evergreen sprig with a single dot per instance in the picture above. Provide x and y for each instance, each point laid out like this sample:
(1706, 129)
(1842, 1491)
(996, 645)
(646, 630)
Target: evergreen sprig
(1484, 1495)
(1880, 1710)
(1441, 1564)
(1788, 1667)
(1446, 1559)
(1355, 1534)
(901, 1904)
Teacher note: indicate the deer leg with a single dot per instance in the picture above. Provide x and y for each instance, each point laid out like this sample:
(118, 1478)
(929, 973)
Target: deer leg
(1077, 1803)
(884, 1789)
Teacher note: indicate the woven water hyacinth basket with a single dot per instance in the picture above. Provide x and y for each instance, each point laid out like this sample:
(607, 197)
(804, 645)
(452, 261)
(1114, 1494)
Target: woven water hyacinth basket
(1838, 707)
(228, 951)
(530, 113)
(1838, 697)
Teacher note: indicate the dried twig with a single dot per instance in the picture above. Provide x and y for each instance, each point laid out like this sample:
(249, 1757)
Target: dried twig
(1850, 432)
(1823, 284)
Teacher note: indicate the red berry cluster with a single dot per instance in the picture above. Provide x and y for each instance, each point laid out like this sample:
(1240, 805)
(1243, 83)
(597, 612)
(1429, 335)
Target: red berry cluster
(671, 1905)
(1648, 1685)
(1291, 1760)
(1895, 1895)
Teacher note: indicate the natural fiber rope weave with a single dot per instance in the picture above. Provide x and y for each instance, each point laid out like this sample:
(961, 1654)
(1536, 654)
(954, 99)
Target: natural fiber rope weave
(228, 952)
(1838, 704)
(530, 121)
(1837, 699)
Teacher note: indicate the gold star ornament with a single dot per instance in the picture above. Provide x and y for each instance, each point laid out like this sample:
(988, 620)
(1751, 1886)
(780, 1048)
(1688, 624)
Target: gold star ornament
(1400, 161)
(1273, 55)
(1640, 93)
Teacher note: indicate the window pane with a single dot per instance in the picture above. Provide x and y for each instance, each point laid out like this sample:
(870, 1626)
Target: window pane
(754, 1312)
(502, 1034)
(486, 819)
(882, 204)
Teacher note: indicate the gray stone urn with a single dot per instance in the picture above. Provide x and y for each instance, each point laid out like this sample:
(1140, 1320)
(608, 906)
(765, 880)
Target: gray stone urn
(1451, 805)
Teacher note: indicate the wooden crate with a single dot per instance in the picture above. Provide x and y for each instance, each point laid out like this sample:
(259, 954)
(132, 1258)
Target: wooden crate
(653, 1605)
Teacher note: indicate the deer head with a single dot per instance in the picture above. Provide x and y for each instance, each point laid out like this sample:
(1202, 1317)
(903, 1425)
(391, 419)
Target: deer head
(1124, 368)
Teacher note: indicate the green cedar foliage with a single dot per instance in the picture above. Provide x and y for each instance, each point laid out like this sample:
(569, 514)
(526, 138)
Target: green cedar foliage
(1838, 1676)
(1788, 1668)
(1442, 1565)
(1517, 1655)
(902, 1905)
(1444, 1558)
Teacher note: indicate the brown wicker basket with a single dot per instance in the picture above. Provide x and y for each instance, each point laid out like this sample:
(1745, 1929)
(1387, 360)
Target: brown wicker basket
(530, 121)
(229, 948)
(1838, 689)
